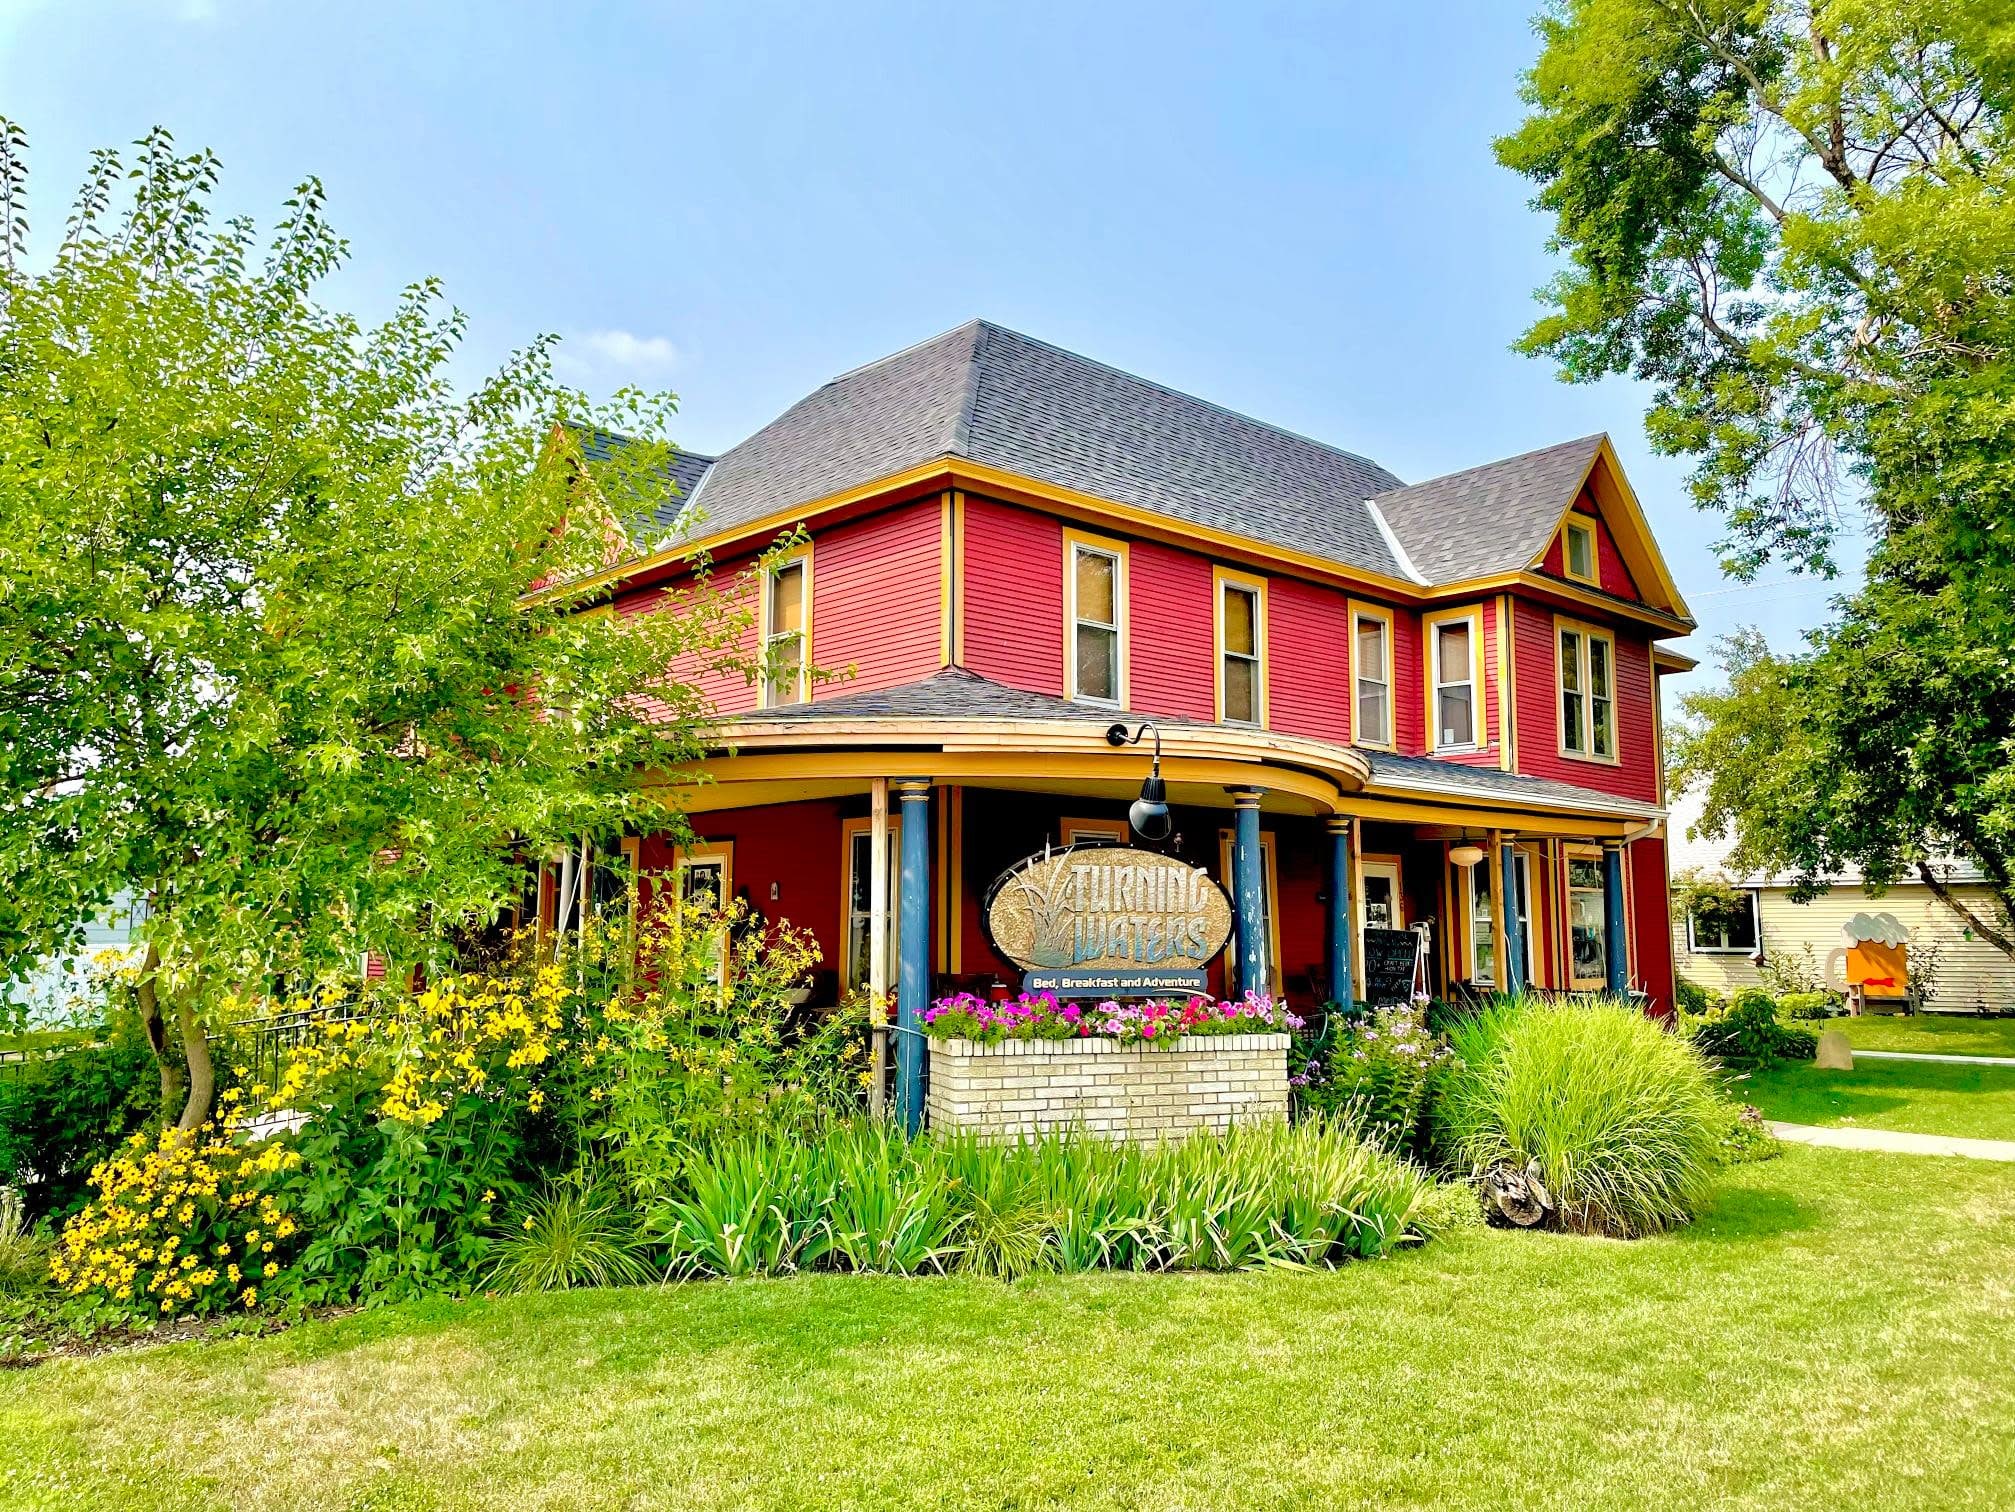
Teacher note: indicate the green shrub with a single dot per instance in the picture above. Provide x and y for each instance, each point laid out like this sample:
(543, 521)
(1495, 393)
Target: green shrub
(1745, 1136)
(1374, 1073)
(1748, 1030)
(1693, 999)
(1618, 1117)
(572, 1234)
(1808, 1005)
(24, 1249)
(61, 1115)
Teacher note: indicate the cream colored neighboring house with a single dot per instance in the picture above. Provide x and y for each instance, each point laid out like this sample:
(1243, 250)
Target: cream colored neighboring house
(1971, 974)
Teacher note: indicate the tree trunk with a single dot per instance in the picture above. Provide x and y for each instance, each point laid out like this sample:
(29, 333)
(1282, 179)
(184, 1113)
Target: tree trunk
(172, 1063)
(202, 1071)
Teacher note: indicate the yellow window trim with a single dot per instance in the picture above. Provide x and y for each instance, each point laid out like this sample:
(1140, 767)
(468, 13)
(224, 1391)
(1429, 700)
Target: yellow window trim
(1430, 625)
(1587, 632)
(1222, 578)
(1271, 872)
(802, 554)
(1578, 524)
(1073, 542)
(1360, 610)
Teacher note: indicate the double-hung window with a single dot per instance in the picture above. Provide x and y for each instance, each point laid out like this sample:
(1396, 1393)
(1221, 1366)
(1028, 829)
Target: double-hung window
(1095, 585)
(1587, 693)
(1371, 671)
(1241, 637)
(1452, 701)
(787, 593)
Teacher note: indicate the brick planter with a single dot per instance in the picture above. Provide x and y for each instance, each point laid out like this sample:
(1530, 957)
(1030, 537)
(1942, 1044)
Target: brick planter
(1135, 1092)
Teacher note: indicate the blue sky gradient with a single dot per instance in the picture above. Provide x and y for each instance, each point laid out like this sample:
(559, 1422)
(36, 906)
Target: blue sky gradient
(1289, 210)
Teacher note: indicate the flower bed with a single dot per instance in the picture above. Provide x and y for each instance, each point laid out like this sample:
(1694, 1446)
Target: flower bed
(1042, 1016)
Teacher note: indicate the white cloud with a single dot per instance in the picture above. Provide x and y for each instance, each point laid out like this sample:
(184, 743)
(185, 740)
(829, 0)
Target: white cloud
(626, 352)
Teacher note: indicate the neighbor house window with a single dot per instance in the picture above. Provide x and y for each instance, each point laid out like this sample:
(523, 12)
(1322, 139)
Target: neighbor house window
(1371, 669)
(1452, 687)
(1588, 930)
(1095, 584)
(1587, 693)
(1579, 541)
(1732, 931)
(786, 632)
(1241, 632)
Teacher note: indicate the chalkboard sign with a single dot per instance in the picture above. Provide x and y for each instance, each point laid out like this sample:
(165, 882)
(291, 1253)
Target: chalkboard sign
(1388, 966)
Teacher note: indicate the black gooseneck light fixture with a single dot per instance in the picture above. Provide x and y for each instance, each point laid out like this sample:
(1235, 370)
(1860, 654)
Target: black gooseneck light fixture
(1149, 814)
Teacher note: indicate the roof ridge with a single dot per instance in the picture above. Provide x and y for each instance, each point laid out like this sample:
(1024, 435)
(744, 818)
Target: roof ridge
(1591, 438)
(866, 367)
(962, 424)
(1184, 394)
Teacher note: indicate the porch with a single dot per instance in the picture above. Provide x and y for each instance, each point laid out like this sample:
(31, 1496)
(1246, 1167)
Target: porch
(878, 822)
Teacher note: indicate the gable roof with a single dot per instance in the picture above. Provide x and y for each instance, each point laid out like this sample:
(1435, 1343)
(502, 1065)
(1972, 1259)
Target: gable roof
(1486, 519)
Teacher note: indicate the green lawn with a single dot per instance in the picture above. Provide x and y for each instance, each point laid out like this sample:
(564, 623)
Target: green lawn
(1945, 1034)
(1912, 1097)
(1833, 1333)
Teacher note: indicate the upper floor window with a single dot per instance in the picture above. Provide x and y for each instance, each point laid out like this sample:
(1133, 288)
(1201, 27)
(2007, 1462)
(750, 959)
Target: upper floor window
(1453, 683)
(787, 614)
(1095, 620)
(1725, 931)
(1241, 636)
(1371, 672)
(1587, 693)
(1579, 550)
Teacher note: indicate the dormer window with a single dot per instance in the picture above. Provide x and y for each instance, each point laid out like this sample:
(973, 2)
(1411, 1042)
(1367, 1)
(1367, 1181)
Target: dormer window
(1452, 694)
(1095, 620)
(1578, 543)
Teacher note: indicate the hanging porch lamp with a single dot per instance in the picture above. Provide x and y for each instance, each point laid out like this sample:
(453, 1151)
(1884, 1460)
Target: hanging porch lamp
(1149, 814)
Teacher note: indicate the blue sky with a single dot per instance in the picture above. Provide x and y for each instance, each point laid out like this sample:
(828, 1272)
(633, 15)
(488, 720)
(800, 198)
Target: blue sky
(1289, 210)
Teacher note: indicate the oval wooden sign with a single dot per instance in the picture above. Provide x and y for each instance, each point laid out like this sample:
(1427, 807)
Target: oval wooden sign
(1107, 908)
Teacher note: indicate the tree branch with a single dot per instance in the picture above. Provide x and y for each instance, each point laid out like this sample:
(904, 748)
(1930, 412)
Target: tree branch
(1951, 900)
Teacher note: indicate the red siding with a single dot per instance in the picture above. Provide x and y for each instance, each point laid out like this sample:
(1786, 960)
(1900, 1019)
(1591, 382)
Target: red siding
(1651, 923)
(1610, 571)
(1409, 706)
(1172, 632)
(1635, 774)
(1308, 660)
(727, 691)
(1013, 596)
(794, 847)
(876, 597)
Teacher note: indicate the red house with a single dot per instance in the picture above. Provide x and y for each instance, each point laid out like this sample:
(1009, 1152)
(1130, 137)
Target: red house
(1397, 704)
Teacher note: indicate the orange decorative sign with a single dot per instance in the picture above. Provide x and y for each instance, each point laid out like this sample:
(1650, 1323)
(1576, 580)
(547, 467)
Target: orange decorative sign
(1874, 959)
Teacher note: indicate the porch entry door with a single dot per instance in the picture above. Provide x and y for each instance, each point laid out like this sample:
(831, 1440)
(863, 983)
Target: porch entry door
(1383, 906)
(705, 874)
(1482, 941)
(860, 902)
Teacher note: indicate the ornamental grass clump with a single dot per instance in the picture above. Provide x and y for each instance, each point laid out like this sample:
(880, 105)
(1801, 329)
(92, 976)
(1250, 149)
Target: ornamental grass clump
(1615, 1117)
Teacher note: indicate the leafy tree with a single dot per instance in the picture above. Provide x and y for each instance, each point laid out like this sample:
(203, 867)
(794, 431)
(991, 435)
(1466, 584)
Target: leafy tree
(267, 656)
(1792, 218)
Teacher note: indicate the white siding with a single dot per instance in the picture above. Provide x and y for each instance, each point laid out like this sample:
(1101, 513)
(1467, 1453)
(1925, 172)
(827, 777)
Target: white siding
(1972, 974)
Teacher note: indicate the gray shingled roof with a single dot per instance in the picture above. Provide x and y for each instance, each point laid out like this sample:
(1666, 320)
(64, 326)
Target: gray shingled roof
(1485, 519)
(686, 471)
(957, 694)
(993, 396)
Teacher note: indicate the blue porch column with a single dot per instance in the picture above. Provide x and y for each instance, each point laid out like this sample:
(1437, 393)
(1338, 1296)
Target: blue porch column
(913, 966)
(1341, 988)
(1612, 918)
(1514, 943)
(1248, 881)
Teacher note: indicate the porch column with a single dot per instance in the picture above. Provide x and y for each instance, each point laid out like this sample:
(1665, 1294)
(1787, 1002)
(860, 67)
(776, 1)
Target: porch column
(1612, 918)
(1248, 878)
(1341, 988)
(913, 971)
(1514, 944)
(878, 943)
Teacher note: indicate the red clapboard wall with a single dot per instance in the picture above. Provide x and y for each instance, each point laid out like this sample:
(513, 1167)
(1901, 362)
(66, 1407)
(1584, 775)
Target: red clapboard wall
(1635, 772)
(1651, 921)
(1409, 705)
(1308, 660)
(876, 595)
(1172, 634)
(727, 691)
(1610, 571)
(1013, 596)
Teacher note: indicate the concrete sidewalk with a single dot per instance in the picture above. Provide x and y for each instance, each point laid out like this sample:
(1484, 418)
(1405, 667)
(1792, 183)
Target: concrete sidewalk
(1894, 1143)
(1936, 1055)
